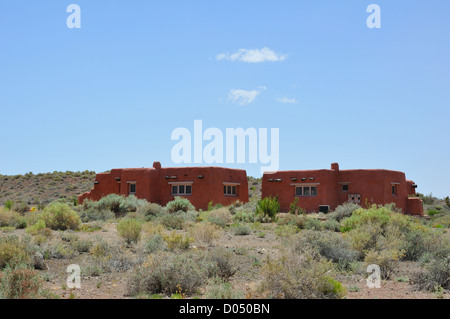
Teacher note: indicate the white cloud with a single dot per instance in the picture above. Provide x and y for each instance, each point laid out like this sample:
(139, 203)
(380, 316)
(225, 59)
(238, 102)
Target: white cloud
(243, 97)
(286, 100)
(252, 56)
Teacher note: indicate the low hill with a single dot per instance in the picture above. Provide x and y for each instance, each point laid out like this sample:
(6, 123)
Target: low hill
(41, 189)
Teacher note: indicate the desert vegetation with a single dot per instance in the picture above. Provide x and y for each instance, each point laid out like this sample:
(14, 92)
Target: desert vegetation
(129, 248)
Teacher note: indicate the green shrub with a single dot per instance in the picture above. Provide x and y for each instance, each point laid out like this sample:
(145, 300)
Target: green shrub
(82, 246)
(268, 207)
(36, 228)
(9, 218)
(332, 225)
(343, 211)
(378, 215)
(286, 230)
(300, 275)
(219, 289)
(9, 204)
(386, 259)
(204, 233)
(433, 212)
(329, 245)
(241, 230)
(167, 274)
(174, 221)
(59, 216)
(313, 224)
(220, 264)
(295, 209)
(154, 244)
(179, 204)
(151, 210)
(292, 220)
(130, 230)
(436, 273)
(246, 217)
(13, 252)
(220, 217)
(21, 208)
(93, 214)
(20, 282)
(176, 241)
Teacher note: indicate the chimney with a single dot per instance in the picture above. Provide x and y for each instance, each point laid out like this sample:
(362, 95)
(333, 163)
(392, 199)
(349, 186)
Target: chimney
(335, 166)
(156, 165)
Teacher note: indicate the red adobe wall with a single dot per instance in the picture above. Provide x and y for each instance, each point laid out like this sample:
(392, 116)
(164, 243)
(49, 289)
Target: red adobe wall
(155, 184)
(372, 186)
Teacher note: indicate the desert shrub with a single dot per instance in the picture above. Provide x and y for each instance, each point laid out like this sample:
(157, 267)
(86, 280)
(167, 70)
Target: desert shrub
(36, 228)
(332, 225)
(154, 244)
(151, 209)
(330, 245)
(219, 289)
(93, 269)
(375, 215)
(21, 207)
(179, 204)
(246, 217)
(59, 216)
(268, 206)
(433, 212)
(282, 231)
(220, 264)
(343, 211)
(204, 233)
(211, 206)
(150, 229)
(312, 224)
(386, 259)
(241, 230)
(130, 230)
(436, 273)
(13, 252)
(292, 220)
(82, 246)
(113, 203)
(9, 204)
(20, 282)
(59, 251)
(443, 221)
(93, 214)
(173, 221)
(176, 241)
(100, 249)
(10, 218)
(167, 274)
(300, 275)
(365, 237)
(220, 217)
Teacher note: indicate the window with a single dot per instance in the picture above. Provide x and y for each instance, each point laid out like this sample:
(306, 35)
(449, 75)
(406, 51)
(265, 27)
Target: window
(394, 190)
(230, 190)
(324, 209)
(345, 188)
(132, 189)
(306, 191)
(182, 189)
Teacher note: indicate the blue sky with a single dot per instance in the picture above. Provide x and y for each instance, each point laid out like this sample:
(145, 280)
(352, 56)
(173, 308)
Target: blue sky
(110, 94)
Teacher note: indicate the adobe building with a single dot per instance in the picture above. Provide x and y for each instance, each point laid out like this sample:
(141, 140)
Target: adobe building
(200, 185)
(323, 190)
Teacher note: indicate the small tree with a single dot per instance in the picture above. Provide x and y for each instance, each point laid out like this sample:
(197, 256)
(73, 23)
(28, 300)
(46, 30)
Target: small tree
(268, 206)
